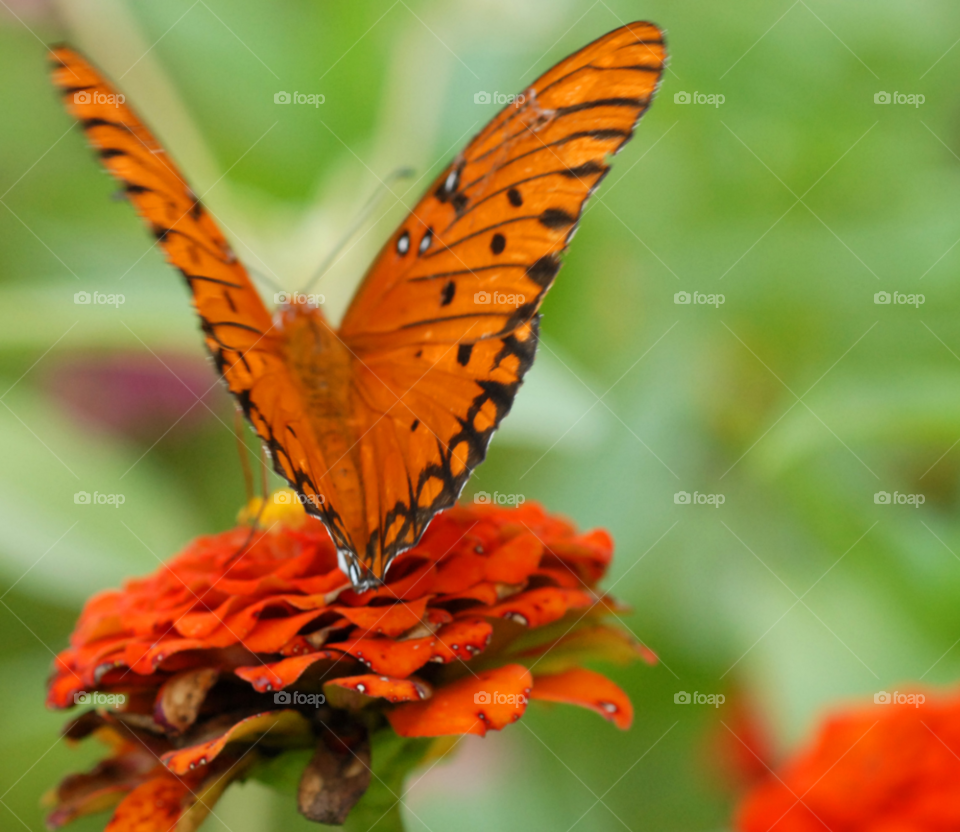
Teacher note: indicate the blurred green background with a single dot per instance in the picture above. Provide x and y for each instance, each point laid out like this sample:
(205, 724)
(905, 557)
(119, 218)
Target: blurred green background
(798, 198)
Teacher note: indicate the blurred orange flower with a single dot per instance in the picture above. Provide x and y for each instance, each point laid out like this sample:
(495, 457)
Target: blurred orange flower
(252, 643)
(889, 766)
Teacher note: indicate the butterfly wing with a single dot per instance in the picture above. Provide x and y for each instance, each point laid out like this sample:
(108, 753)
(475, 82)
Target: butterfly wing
(436, 343)
(240, 333)
(444, 325)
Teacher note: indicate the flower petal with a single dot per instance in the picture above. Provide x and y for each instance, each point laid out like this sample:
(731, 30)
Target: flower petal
(462, 639)
(155, 806)
(513, 562)
(538, 606)
(336, 777)
(388, 657)
(589, 690)
(392, 620)
(276, 676)
(473, 705)
(384, 687)
(178, 701)
(286, 723)
(590, 642)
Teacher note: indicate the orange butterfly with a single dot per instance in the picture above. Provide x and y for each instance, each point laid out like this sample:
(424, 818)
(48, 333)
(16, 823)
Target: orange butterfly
(379, 424)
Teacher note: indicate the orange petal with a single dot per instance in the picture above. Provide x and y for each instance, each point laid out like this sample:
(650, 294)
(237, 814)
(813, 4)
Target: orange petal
(589, 690)
(276, 676)
(472, 705)
(155, 806)
(385, 687)
(286, 723)
(388, 657)
(270, 634)
(539, 606)
(462, 639)
(513, 562)
(390, 620)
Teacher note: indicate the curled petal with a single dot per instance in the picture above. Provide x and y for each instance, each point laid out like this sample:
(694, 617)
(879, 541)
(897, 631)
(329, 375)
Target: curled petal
(179, 700)
(513, 562)
(278, 724)
(589, 690)
(392, 620)
(539, 606)
(475, 704)
(383, 687)
(277, 675)
(154, 806)
(462, 639)
(388, 657)
(576, 646)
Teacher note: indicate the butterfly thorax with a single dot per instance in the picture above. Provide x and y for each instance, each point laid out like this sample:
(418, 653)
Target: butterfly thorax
(320, 365)
(319, 360)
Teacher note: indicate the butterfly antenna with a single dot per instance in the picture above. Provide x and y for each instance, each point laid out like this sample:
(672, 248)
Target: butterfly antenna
(399, 173)
(244, 455)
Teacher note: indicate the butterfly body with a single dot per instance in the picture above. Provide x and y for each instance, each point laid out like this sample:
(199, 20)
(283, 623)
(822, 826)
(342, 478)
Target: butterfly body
(379, 423)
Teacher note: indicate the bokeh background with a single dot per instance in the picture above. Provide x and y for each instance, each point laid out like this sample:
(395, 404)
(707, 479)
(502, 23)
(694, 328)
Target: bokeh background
(798, 198)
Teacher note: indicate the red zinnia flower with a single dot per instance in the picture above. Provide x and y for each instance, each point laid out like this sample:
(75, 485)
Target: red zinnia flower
(882, 767)
(244, 647)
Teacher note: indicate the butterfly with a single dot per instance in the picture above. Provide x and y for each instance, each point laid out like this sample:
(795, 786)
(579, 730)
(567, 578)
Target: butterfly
(379, 423)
